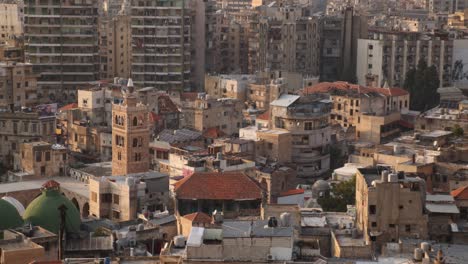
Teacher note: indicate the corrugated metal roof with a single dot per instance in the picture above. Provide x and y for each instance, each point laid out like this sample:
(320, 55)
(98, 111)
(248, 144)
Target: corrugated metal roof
(285, 100)
(195, 238)
(439, 198)
(442, 208)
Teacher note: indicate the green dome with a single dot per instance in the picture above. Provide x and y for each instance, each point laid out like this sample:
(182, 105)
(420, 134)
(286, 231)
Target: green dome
(10, 217)
(43, 211)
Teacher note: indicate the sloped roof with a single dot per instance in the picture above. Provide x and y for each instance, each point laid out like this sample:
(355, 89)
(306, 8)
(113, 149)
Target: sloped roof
(264, 116)
(69, 106)
(327, 87)
(213, 132)
(218, 186)
(198, 217)
(460, 193)
(292, 192)
(285, 100)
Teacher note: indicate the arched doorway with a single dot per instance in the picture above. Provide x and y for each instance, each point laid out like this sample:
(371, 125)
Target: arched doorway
(75, 202)
(85, 212)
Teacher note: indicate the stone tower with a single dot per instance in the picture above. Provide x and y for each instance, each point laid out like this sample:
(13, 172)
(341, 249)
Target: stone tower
(130, 135)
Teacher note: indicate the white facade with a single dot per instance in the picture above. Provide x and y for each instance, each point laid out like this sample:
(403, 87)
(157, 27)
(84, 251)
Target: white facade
(369, 60)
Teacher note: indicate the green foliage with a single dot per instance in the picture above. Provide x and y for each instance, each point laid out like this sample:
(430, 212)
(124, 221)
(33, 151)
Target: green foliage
(458, 131)
(344, 193)
(422, 84)
(101, 232)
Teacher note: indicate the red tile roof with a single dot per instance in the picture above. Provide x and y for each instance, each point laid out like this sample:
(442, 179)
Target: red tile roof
(68, 107)
(50, 184)
(166, 105)
(460, 193)
(292, 192)
(218, 186)
(154, 117)
(213, 132)
(198, 217)
(326, 87)
(264, 116)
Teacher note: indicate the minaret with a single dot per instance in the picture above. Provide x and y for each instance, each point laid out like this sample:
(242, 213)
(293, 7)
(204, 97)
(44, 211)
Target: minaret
(130, 135)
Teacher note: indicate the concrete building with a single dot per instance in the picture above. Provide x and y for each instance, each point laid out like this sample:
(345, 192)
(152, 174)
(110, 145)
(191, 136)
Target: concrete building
(390, 207)
(115, 44)
(62, 44)
(283, 38)
(228, 86)
(161, 44)
(122, 198)
(41, 160)
(374, 112)
(20, 127)
(338, 45)
(130, 135)
(232, 193)
(306, 118)
(18, 85)
(11, 26)
(224, 114)
(386, 57)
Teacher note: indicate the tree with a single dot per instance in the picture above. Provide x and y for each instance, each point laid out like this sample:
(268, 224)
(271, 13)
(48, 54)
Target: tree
(343, 194)
(422, 84)
(458, 131)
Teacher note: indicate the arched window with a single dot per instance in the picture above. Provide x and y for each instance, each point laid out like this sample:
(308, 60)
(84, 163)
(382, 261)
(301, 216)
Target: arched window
(135, 121)
(135, 142)
(116, 121)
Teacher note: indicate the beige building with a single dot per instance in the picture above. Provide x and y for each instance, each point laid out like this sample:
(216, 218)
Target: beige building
(306, 118)
(20, 127)
(130, 135)
(386, 56)
(18, 85)
(222, 114)
(122, 198)
(10, 22)
(17, 249)
(115, 45)
(374, 112)
(41, 160)
(390, 206)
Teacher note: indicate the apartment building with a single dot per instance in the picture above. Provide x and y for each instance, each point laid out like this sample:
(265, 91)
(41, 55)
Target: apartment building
(306, 118)
(39, 159)
(338, 45)
(123, 197)
(374, 112)
(386, 56)
(20, 127)
(18, 85)
(62, 44)
(284, 40)
(161, 39)
(205, 113)
(10, 22)
(115, 44)
(390, 206)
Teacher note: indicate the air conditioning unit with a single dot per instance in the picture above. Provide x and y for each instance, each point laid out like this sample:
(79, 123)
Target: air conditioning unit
(270, 257)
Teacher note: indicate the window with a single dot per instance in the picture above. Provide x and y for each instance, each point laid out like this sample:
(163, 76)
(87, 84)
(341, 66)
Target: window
(372, 209)
(47, 156)
(76, 137)
(374, 224)
(135, 121)
(43, 170)
(94, 197)
(357, 102)
(135, 142)
(391, 225)
(308, 126)
(270, 146)
(116, 199)
(119, 156)
(339, 106)
(408, 228)
(64, 156)
(106, 198)
(116, 215)
(38, 156)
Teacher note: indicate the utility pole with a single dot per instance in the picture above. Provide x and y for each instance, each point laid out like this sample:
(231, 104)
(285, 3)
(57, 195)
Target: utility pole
(63, 212)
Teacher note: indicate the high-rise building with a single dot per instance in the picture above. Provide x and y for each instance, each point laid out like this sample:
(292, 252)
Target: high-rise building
(130, 135)
(62, 44)
(161, 38)
(387, 57)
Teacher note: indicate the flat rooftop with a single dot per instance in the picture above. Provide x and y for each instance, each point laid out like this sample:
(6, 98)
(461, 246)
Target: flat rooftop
(66, 183)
